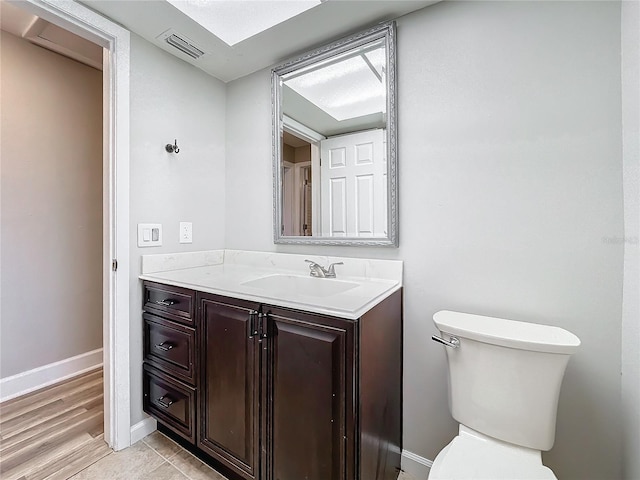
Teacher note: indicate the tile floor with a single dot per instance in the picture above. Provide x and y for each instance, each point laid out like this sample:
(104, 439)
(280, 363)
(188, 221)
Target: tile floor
(155, 457)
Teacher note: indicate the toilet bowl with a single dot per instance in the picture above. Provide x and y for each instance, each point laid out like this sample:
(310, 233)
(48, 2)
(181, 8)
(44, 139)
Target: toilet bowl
(504, 383)
(472, 455)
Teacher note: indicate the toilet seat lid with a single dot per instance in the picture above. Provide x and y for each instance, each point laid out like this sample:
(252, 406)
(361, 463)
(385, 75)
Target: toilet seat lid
(472, 455)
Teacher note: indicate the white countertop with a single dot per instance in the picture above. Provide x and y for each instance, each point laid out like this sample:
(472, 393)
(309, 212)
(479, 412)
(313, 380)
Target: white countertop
(225, 272)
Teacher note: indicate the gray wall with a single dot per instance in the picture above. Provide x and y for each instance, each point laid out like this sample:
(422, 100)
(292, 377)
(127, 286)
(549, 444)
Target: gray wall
(51, 218)
(510, 191)
(171, 99)
(631, 296)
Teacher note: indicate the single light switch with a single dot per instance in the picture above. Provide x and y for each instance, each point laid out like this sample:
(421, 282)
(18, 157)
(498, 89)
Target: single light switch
(149, 235)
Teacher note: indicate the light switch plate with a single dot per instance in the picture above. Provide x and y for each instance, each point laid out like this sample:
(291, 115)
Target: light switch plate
(149, 235)
(186, 232)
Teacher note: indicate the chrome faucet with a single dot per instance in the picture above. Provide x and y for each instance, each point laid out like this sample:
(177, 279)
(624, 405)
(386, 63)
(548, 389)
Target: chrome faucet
(320, 272)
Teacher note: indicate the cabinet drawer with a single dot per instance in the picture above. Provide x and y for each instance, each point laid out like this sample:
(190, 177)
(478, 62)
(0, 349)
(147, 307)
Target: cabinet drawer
(170, 347)
(175, 302)
(170, 402)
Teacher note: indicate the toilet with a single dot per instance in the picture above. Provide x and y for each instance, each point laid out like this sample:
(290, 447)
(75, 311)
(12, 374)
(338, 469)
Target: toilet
(504, 383)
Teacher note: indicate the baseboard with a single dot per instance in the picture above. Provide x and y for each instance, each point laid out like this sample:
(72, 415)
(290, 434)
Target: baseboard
(32, 380)
(142, 429)
(415, 465)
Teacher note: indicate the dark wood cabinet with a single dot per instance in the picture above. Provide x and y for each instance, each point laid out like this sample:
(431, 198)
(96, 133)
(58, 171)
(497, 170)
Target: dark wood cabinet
(309, 385)
(170, 347)
(170, 358)
(229, 384)
(171, 402)
(277, 393)
(171, 302)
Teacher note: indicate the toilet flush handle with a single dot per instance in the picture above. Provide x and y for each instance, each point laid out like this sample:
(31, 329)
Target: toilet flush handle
(453, 342)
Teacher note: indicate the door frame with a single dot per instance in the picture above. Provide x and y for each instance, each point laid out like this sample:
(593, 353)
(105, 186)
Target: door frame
(288, 185)
(115, 41)
(298, 194)
(314, 138)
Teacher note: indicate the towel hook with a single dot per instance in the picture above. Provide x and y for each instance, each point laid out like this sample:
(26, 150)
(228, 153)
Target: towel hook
(172, 148)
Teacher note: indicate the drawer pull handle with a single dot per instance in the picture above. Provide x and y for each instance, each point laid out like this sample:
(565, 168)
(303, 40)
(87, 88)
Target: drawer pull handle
(167, 302)
(164, 404)
(165, 346)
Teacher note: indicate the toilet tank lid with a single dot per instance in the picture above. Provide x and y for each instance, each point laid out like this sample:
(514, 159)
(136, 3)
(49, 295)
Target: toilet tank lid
(507, 333)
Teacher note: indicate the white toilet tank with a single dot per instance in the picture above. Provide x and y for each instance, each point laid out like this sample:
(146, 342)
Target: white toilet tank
(505, 376)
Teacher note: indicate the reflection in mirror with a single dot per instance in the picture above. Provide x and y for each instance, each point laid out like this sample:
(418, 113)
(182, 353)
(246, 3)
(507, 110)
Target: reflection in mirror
(334, 144)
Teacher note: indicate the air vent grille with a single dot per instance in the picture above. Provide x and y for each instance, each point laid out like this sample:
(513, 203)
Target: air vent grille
(184, 45)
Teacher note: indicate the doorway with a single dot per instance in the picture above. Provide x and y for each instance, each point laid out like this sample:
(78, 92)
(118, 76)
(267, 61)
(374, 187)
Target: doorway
(51, 205)
(85, 23)
(300, 186)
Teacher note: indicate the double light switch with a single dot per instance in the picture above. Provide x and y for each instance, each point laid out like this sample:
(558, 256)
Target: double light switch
(149, 234)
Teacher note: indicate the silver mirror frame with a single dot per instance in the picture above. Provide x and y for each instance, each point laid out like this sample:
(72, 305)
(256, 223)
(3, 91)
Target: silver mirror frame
(385, 31)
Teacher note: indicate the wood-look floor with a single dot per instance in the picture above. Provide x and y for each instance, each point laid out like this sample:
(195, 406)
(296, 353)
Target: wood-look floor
(55, 432)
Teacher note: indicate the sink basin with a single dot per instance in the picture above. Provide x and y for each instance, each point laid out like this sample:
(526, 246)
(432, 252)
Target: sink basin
(288, 285)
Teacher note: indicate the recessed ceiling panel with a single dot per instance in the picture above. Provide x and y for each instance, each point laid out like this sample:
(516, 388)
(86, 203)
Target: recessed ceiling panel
(328, 21)
(236, 21)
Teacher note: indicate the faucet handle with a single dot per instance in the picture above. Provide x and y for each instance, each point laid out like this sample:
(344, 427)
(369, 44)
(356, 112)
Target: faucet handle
(331, 268)
(316, 270)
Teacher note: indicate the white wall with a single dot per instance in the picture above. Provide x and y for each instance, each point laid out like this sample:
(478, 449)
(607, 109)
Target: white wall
(248, 168)
(171, 99)
(510, 193)
(631, 296)
(51, 222)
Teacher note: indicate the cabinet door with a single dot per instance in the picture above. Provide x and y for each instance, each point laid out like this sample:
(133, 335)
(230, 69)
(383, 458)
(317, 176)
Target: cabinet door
(230, 384)
(310, 385)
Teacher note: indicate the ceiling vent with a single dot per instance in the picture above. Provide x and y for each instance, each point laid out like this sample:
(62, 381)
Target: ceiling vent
(182, 43)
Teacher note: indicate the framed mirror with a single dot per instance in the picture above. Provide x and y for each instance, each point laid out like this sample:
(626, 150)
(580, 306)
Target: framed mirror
(335, 163)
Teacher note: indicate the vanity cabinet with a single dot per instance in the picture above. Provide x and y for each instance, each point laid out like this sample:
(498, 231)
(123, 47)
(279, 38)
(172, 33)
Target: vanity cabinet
(170, 360)
(283, 394)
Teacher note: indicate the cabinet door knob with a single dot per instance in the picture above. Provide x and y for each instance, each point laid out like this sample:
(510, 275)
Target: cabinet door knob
(165, 404)
(165, 346)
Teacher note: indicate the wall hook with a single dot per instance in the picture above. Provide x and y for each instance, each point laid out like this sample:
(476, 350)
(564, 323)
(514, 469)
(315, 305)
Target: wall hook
(172, 148)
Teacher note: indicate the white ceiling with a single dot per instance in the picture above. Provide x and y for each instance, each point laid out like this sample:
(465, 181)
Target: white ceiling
(326, 22)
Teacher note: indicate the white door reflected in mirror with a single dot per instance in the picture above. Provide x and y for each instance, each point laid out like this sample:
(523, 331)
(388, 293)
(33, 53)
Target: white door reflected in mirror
(354, 185)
